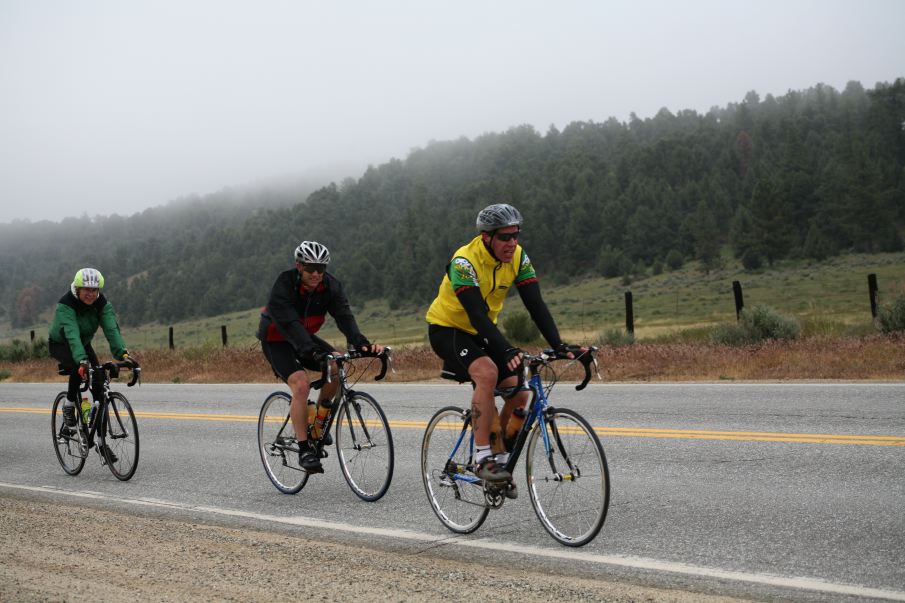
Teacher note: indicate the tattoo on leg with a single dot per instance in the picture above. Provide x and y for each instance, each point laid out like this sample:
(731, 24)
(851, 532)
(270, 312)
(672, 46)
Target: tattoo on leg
(475, 413)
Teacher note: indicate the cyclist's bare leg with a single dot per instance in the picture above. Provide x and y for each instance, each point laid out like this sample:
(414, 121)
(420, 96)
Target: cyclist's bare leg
(298, 409)
(483, 373)
(519, 399)
(328, 390)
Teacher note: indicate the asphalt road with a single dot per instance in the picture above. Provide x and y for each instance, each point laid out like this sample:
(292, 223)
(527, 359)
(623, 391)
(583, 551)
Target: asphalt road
(765, 490)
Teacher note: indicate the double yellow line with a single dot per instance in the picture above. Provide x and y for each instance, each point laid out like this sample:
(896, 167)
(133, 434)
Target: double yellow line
(631, 432)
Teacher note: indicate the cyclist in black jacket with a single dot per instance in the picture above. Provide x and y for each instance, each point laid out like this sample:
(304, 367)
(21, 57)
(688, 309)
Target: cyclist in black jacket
(299, 302)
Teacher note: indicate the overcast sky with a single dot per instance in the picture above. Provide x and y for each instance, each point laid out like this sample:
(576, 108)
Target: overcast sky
(116, 106)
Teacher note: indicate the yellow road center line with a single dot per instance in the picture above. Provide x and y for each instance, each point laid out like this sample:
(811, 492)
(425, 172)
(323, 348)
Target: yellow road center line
(634, 432)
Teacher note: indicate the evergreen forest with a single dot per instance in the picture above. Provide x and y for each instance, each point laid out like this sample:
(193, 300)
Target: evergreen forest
(810, 174)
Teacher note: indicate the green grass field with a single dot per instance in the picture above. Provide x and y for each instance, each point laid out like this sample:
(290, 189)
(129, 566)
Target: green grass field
(829, 298)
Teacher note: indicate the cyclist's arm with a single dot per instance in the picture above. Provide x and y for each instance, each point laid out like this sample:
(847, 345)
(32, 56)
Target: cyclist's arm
(111, 330)
(529, 291)
(471, 300)
(341, 312)
(281, 310)
(69, 328)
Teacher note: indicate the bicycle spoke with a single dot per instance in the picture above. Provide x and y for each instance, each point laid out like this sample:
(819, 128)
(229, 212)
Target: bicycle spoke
(277, 445)
(455, 495)
(66, 443)
(364, 446)
(121, 437)
(568, 478)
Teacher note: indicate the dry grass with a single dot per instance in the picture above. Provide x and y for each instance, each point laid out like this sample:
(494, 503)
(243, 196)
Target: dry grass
(874, 357)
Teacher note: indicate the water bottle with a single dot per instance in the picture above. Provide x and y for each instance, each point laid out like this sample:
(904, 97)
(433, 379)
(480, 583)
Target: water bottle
(86, 411)
(514, 426)
(313, 431)
(323, 409)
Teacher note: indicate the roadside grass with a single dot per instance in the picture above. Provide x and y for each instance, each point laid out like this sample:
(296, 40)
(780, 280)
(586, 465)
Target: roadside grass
(830, 300)
(874, 357)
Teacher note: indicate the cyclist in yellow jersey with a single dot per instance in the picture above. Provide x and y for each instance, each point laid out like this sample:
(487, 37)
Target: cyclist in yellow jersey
(463, 332)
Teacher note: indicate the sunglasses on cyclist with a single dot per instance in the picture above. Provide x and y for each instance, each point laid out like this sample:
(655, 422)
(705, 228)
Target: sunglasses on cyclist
(507, 236)
(320, 268)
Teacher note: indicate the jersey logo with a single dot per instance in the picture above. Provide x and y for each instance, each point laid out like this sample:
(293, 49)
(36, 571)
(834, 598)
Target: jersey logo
(464, 352)
(464, 271)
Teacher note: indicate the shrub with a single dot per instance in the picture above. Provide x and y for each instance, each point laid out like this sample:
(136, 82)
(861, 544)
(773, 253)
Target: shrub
(4, 374)
(674, 259)
(519, 328)
(758, 324)
(616, 338)
(18, 351)
(892, 317)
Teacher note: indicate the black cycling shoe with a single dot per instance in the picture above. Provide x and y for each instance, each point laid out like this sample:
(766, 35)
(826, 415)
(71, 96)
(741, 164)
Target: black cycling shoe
(308, 458)
(327, 439)
(69, 416)
(511, 492)
(105, 452)
(492, 471)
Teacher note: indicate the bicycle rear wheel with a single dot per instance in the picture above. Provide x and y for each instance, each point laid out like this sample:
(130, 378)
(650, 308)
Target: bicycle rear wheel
(278, 446)
(455, 495)
(364, 446)
(121, 439)
(66, 443)
(568, 478)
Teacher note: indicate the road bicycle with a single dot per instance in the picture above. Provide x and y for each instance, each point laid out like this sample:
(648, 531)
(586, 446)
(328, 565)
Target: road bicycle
(364, 444)
(110, 428)
(566, 469)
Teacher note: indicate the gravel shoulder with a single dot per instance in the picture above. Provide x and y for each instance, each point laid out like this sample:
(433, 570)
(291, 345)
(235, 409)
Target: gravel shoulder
(90, 554)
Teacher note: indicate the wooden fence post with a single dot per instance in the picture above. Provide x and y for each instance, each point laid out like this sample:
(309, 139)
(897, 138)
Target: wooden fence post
(629, 314)
(223, 334)
(739, 300)
(172, 347)
(873, 292)
(32, 333)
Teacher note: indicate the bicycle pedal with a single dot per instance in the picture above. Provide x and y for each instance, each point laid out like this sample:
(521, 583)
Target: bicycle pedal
(323, 453)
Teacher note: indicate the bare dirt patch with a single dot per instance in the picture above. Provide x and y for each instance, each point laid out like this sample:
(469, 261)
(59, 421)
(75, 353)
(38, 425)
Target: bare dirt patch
(71, 553)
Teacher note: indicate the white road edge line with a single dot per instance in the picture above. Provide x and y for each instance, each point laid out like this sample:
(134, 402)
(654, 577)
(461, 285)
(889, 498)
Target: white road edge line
(617, 560)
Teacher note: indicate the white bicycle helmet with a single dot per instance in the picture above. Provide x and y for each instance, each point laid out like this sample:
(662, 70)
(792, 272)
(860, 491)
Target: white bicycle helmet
(312, 252)
(87, 277)
(498, 215)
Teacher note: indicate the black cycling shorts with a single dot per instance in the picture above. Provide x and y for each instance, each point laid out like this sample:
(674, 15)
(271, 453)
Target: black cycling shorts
(284, 361)
(458, 350)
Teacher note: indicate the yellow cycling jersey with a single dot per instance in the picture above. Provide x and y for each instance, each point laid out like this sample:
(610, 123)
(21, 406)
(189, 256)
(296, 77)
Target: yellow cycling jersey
(473, 266)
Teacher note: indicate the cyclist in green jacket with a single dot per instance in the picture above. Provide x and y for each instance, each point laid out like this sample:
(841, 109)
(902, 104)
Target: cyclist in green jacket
(78, 315)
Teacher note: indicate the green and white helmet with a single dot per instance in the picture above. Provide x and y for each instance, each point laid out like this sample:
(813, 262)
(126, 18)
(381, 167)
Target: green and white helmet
(87, 277)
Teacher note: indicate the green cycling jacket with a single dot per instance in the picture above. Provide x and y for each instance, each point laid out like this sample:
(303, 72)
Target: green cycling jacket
(75, 324)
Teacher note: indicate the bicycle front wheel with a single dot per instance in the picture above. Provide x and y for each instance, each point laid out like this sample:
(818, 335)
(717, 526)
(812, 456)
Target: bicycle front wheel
(364, 446)
(568, 478)
(121, 439)
(66, 442)
(278, 446)
(455, 494)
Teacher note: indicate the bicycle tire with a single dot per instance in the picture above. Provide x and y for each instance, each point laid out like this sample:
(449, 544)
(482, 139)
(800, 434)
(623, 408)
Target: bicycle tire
(121, 437)
(364, 446)
(458, 503)
(572, 510)
(66, 444)
(278, 446)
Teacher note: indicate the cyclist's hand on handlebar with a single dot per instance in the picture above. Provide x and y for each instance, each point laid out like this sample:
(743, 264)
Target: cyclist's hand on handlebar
(371, 348)
(566, 350)
(131, 360)
(83, 370)
(514, 358)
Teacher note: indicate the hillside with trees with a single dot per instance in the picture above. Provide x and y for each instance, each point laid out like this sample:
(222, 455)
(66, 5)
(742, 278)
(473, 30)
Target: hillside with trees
(812, 173)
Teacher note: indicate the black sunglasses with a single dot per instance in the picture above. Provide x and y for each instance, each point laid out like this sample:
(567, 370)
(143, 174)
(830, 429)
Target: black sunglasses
(507, 236)
(320, 268)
